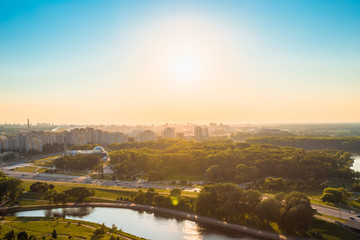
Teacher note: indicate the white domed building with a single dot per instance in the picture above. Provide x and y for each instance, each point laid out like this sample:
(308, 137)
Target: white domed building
(97, 150)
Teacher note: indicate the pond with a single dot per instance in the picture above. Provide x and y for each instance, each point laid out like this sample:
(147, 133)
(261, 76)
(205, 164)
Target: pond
(143, 224)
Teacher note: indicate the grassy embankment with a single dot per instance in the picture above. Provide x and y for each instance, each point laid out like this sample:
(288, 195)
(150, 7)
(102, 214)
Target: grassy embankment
(65, 228)
(30, 169)
(46, 159)
(329, 231)
(315, 198)
(102, 193)
(111, 194)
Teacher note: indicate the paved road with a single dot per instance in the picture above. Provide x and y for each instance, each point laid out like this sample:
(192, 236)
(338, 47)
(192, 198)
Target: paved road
(334, 212)
(61, 178)
(339, 213)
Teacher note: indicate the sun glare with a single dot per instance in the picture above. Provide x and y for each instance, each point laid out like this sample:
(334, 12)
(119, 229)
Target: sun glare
(185, 67)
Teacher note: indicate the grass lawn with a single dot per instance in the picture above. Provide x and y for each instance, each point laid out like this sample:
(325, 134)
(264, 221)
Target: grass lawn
(101, 192)
(329, 231)
(30, 169)
(72, 173)
(46, 159)
(98, 176)
(320, 229)
(49, 163)
(42, 226)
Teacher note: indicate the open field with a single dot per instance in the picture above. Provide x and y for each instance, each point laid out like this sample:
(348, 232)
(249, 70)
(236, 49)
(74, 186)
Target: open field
(45, 159)
(329, 231)
(30, 169)
(105, 193)
(65, 228)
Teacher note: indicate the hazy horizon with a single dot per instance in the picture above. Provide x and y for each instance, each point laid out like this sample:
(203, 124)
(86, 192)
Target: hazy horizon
(151, 62)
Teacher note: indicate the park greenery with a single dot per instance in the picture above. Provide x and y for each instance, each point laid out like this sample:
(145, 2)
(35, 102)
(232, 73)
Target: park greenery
(78, 162)
(270, 184)
(32, 228)
(335, 195)
(226, 161)
(220, 164)
(41, 187)
(293, 213)
(77, 194)
(271, 213)
(349, 144)
(10, 188)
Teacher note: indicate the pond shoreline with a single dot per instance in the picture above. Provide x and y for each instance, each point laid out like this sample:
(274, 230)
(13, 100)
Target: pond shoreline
(170, 212)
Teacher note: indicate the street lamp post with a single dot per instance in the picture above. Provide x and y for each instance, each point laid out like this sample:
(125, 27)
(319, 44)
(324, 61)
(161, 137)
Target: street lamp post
(340, 209)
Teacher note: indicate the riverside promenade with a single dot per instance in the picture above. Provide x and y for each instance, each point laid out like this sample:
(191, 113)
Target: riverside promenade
(170, 212)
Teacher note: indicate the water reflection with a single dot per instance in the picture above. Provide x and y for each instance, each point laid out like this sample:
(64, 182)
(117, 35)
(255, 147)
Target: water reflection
(356, 163)
(191, 230)
(144, 224)
(69, 212)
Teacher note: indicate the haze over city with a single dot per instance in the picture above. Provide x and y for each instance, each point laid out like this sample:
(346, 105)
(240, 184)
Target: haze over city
(115, 62)
(191, 119)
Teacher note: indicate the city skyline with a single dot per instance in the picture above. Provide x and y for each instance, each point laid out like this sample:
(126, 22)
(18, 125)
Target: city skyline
(138, 62)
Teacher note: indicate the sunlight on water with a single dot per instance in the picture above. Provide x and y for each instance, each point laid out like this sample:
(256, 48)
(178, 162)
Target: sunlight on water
(356, 164)
(191, 231)
(148, 225)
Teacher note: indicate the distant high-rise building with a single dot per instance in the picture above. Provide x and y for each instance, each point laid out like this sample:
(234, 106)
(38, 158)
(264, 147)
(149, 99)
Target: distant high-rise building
(145, 136)
(168, 133)
(198, 132)
(201, 133)
(205, 133)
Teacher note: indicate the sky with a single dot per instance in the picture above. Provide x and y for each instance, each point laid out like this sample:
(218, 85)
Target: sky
(126, 62)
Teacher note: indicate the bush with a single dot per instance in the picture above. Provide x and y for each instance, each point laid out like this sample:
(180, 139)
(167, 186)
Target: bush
(100, 231)
(39, 187)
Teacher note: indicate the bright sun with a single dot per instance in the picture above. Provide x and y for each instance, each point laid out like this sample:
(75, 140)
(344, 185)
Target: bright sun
(185, 67)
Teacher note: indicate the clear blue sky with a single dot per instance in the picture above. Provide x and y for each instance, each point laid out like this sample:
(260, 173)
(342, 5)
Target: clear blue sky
(272, 61)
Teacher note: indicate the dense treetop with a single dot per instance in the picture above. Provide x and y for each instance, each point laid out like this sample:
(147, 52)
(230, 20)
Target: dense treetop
(350, 144)
(224, 160)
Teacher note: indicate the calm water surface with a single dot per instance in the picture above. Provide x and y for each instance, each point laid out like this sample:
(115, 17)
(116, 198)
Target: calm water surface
(143, 224)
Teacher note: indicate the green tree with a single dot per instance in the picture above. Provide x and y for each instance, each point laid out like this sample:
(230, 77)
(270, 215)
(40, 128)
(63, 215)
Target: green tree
(139, 198)
(155, 176)
(78, 194)
(54, 234)
(149, 196)
(39, 187)
(49, 195)
(334, 195)
(252, 198)
(100, 230)
(298, 213)
(10, 235)
(60, 198)
(213, 174)
(23, 235)
(269, 209)
(175, 192)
